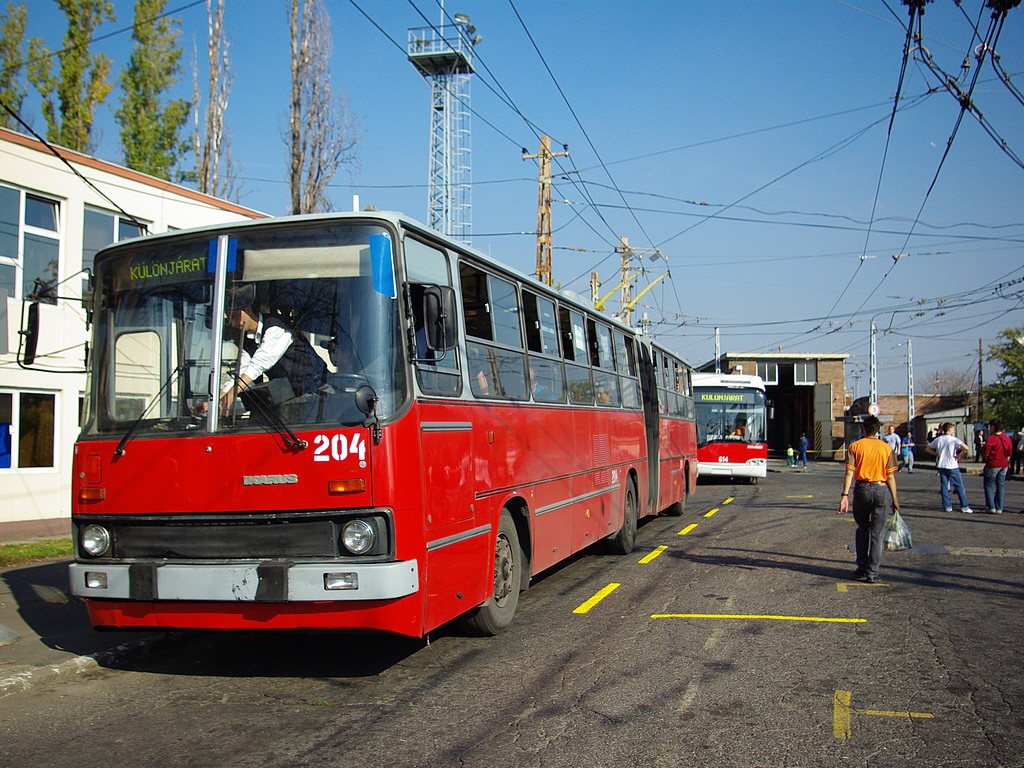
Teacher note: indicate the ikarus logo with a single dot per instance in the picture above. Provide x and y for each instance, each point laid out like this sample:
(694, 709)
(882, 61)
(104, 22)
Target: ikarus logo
(270, 479)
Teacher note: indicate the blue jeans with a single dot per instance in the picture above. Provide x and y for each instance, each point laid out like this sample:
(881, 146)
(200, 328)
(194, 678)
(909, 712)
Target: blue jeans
(995, 484)
(947, 476)
(872, 504)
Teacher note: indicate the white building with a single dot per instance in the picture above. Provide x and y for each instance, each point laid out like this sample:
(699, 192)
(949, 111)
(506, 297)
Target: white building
(54, 216)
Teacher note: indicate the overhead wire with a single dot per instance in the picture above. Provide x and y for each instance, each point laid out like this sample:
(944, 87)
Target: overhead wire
(966, 104)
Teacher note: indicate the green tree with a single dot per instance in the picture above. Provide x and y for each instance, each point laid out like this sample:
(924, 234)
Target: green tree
(12, 41)
(1005, 398)
(71, 95)
(151, 132)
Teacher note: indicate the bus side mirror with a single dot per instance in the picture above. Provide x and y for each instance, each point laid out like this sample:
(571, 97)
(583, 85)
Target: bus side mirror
(439, 317)
(30, 335)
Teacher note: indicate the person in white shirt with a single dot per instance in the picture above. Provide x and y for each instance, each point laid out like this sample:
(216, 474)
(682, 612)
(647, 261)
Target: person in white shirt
(948, 450)
(893, 440)
(270, 347)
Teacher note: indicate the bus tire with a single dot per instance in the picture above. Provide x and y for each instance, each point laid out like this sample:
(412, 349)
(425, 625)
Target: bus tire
(623, 541)
(496, 613)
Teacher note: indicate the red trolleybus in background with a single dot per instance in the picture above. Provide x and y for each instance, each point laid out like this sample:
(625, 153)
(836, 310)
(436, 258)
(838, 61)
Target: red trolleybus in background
(403, 431)
(732, 438)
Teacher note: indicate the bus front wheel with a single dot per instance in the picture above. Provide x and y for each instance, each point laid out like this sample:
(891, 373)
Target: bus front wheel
(496, 614)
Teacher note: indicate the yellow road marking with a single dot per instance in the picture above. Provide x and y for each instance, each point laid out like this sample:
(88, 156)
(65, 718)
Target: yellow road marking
(843, 586)
(807, 496)
(709, 514)
(583, 608)
(687, 529)
(750, 616)
(728, 501)
(841, 714)
(841, 711)
(651, 555)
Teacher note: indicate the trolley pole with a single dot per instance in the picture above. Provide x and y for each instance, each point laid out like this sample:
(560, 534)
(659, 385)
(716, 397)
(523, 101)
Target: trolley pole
(544, 206)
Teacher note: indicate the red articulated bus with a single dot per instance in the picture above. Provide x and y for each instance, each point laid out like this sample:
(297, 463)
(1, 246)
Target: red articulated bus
(349, 421)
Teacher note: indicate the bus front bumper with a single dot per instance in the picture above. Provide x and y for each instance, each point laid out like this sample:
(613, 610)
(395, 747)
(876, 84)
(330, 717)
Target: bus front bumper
(267, 581)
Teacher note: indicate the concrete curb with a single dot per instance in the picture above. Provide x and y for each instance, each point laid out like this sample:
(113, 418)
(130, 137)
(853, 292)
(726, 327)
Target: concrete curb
(36, 676)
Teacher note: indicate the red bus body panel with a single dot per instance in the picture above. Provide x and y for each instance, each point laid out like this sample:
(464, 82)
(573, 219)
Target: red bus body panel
(445, 469)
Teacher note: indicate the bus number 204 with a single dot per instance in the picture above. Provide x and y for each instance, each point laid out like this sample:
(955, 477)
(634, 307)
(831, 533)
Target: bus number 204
(339, 447)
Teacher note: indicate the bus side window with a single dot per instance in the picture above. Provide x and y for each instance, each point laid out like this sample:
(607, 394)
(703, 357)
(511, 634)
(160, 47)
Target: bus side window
(547, 374)
(606, 383)
(574, 350)
(491, 306)
(625, 364)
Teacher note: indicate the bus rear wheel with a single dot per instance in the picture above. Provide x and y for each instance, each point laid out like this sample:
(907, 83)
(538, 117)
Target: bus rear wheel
(624, 540)
(496, 614)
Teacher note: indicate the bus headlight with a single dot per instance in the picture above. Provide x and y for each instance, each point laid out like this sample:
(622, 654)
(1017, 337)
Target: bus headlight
(95, 540)
(358, 536)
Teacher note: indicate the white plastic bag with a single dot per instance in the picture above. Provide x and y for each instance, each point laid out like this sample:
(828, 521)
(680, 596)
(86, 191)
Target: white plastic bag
(897, 534)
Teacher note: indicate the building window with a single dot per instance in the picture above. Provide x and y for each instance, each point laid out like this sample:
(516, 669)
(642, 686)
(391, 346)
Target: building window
(769, 372)
(805, 373)
(26, 430)
(29, 242)
(100, 229)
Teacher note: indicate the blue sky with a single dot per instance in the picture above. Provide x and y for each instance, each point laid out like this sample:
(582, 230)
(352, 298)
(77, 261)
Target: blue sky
(746, 141)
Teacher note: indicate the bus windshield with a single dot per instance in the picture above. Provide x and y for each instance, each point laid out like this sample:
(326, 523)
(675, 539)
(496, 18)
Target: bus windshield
(310, 316)
(724, 414)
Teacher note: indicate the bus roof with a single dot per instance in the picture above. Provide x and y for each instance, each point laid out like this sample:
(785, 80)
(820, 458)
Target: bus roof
(395, 218)
(727, 380)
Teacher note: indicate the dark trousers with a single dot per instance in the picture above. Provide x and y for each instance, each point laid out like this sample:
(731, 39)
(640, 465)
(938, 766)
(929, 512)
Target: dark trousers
(872, 505)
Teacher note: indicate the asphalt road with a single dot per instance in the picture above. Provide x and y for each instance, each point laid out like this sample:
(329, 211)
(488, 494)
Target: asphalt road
(741, 643)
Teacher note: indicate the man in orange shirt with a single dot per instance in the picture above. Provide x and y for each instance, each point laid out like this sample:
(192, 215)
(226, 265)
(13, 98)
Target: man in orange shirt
(871, 465)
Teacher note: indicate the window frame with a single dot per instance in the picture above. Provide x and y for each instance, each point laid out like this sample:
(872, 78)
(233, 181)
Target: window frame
(17, 415)
(117, 223)
(800, 373)
(768, 368)
(26, 230)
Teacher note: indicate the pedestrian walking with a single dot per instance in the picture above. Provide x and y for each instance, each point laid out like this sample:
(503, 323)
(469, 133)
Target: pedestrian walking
(979, 444)
(998, 449)
(1018, 453)
(893, 440)
(948, 449)
(790, 456)
(804, 445)
(907, 453)
(871, 472)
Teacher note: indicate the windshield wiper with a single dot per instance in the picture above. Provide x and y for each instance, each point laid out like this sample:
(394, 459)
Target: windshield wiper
(119, 450)
(291, 439)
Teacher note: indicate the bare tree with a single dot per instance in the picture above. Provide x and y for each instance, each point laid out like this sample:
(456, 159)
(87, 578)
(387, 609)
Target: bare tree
(948, 381)
(321, 136)
(214, 173)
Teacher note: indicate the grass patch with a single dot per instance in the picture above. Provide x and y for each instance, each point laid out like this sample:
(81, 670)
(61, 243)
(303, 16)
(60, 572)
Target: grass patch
(33, 551)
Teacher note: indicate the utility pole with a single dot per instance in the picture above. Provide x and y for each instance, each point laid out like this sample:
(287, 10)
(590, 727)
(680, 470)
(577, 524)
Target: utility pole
(873, 369)
(981, 400)
(718, 352)
(544, 206)
(626, 252)
(911, 404)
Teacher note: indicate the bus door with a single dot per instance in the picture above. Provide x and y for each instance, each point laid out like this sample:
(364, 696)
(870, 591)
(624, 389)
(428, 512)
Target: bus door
(456, 548)
(649, 394)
